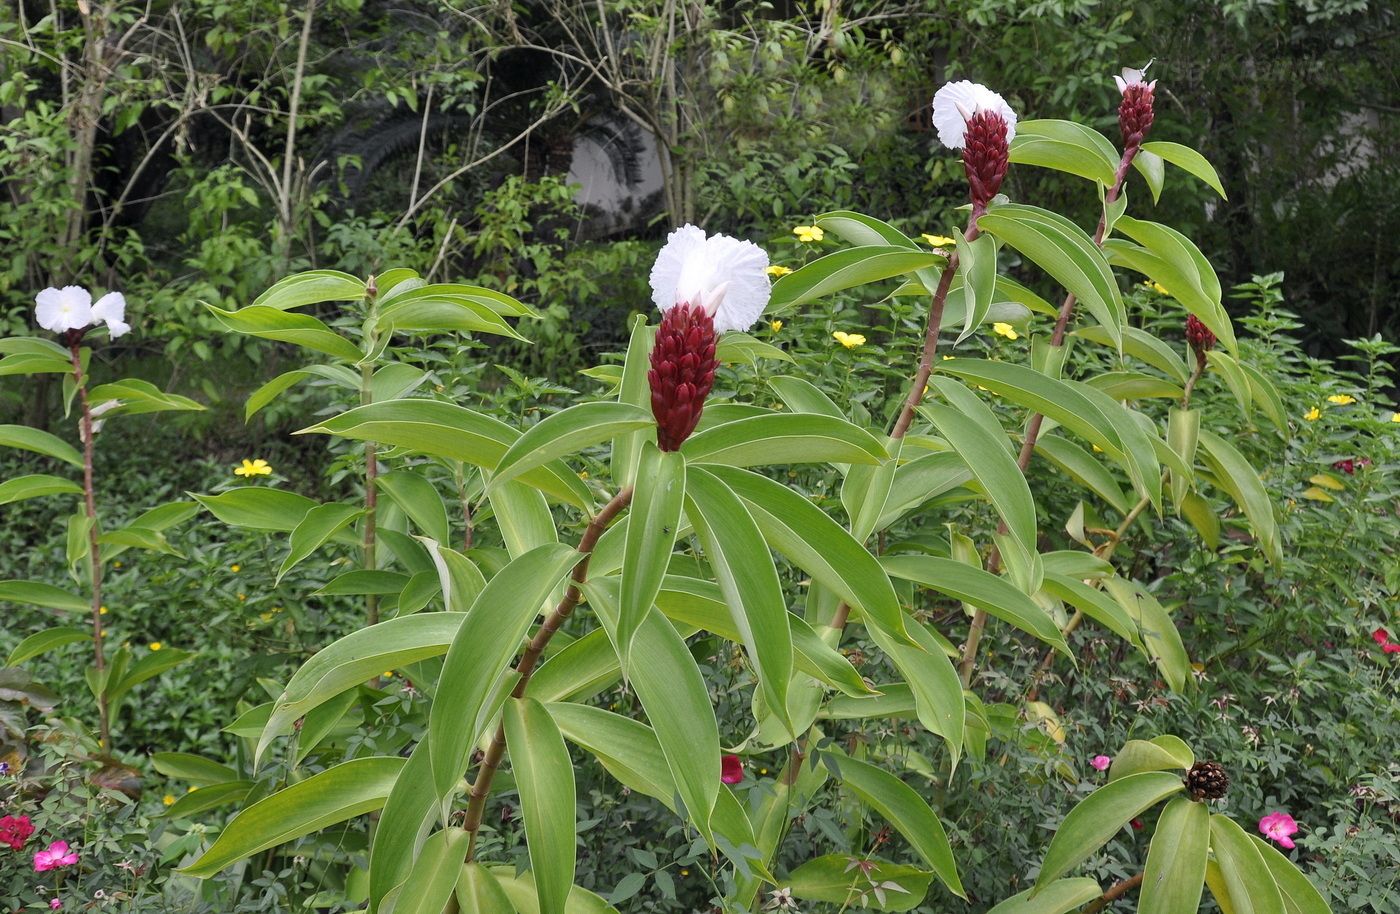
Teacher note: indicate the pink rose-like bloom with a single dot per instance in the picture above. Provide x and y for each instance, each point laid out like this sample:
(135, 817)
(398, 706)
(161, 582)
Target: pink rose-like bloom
(54, 856)
(1278, 826)
(731, 769)
(1101, 762)
(55, 904)
(15, 830)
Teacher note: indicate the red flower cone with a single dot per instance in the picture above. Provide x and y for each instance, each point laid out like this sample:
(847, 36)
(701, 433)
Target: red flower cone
(682, 373)
(985, 156)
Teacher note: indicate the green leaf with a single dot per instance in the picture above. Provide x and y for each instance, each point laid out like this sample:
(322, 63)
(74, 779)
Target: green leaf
(568, 432)
(32, 439)
(994, 595)
(1143, 346)
(362, 581)
(212, 797)
(36, 486)
(977, 265)
(993, 466)
(1237, 478)
(1266, 397)
(521, 891)
(266, 394)
(934, 685)
(455, 432)
(860, 229)
(1059, 897)
(1081, 466)
(1134, 385)
(1063, 250)
(488, 639)
(1183, 432)
(1179, 265)
(847, 269)
(677, 702)
(903, 808)
(735, 348)
(419, 500)
(819, 546)
(404, 821)
(258, 508)
(1246, 881)
(866, 491)
(859, 882)
(32, 363)
(393, 380)
(433, 878)
(1159, 634)
(310, 288)
(424, 311)
(1065, 146)
(136, 396)
(544, 776)
(633, 390)
(334, 795)
(479, 892)
(739, 557)
(355, 659)
(315, 528)
(784, 438)
(47, 640)
(1300, 896)
(1099, 816)
(1153, 171)
(652, 525)
(1175, 874)
(39, 594)
(1094, 604)
(804, 397)
(1188, 160)
(148, 667)
(921, 479)
(287, 327)
(198, 770)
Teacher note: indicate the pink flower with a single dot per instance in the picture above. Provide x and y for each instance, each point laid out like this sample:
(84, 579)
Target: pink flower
(731, 769)
(1277, 826)
(1100, 762)
(15, 830)
(54, 856)
(1391, 648)
(1381, 637)
(55, 904)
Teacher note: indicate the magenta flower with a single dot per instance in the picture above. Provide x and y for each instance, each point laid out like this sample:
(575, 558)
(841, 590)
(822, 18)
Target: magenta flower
(55, 904)
(54, 856)
(15, 830)
(1100, 762)
(1278, 826)
(731, 769)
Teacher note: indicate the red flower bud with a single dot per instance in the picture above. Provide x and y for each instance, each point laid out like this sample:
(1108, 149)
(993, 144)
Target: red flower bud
(985, 156)
(731, 769)
(1198, 335)
(1135, 113)
(682, 373)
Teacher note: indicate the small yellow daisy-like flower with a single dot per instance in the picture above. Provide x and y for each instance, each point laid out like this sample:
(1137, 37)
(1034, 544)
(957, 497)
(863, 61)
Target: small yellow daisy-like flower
(1312, 415)
(685, 872)
(235, 568)
(168, 800)
(948, 358)
(242, 597)
(266, 617)
(849, 340)
(809, 233)
(1341, 399)
(257, 467)
(1001, 328)
(155, 645)
(1395, 417)
(102, 610)
(763, 771)
(1156, 287)
(582, 474)
(938, 241)
(388, 674)
(775, 326)
(116, 564)
(777, 270)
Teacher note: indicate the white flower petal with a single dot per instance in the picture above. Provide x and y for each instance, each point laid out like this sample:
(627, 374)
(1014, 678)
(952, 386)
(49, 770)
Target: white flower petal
(69, 308)
(723, 274)
(116, 328)
(110, 307)
(957, 101)
(681, 247)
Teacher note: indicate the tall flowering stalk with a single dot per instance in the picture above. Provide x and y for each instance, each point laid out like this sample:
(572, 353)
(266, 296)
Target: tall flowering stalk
(1135, 116)
(70, 312)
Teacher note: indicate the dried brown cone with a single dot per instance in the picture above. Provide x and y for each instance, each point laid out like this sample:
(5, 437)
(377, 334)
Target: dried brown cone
(1207, 781)
(682, 373)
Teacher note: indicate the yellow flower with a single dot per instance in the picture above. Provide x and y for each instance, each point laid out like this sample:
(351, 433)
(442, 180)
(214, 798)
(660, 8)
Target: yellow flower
(1156, 287)
(235, 568)
(168, 800)
(1395, 417)
(266, 617)
(775, 326)
(776, 270)
(1001, 328)
(155, 645)
(938, 241)
(685, 872)
(948, 358)
(242, 597)
(809, 233)
(257, 467)
(388, 674)
(1341, 399)
(849, 340)
(116, 564)
(102, 610)
(1313, 414)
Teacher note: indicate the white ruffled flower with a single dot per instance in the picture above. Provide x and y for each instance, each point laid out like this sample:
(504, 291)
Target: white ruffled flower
(725, 276)
(1132, 77)
(72, 308)
(61, 310)
(956, 103)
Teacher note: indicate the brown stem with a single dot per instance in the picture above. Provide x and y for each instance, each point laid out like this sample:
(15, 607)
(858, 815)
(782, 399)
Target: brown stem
(1057, 339)
(94, 549)
(491, 761)
(1114, 892)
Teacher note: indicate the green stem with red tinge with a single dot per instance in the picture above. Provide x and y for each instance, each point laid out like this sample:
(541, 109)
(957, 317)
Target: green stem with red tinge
(94, 548)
